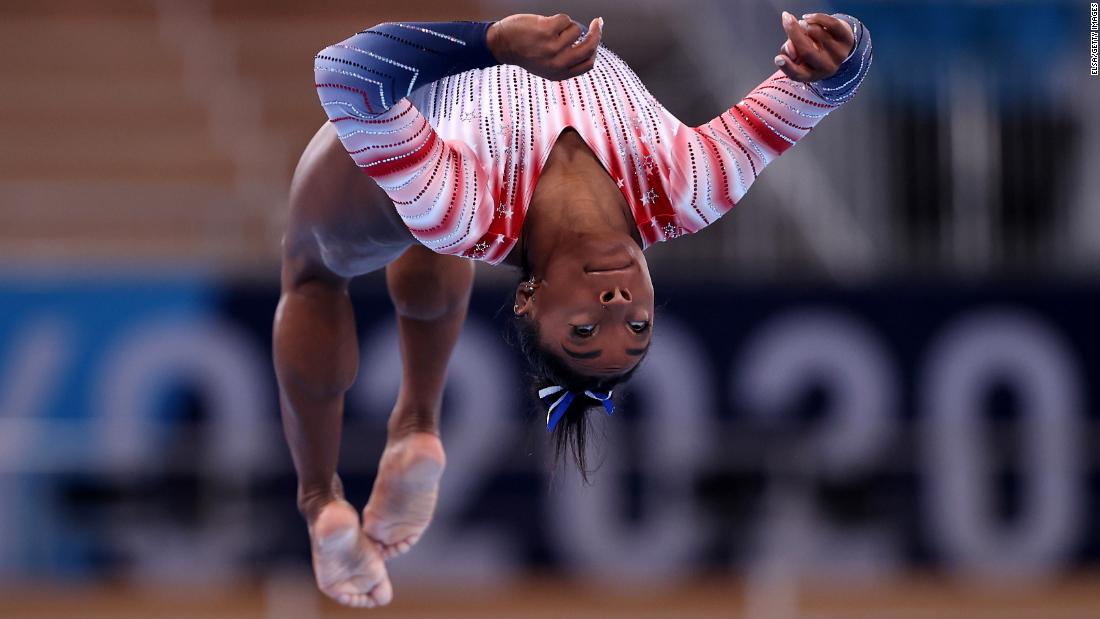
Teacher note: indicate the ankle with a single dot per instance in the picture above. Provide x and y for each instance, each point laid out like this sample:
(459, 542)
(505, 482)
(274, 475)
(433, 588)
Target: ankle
(419, 448)
(404, 424)
(313, 499)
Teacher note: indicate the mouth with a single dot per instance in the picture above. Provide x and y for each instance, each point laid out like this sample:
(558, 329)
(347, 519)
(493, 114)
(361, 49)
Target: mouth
(617, 269)
(611, 264)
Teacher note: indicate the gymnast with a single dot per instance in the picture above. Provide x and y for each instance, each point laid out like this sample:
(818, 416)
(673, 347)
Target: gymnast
(520, 142)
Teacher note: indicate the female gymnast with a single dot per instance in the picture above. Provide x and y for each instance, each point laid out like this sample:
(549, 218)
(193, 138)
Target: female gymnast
(520, 142)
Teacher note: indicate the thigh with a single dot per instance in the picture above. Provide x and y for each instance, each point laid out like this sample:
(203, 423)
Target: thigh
(339, 215)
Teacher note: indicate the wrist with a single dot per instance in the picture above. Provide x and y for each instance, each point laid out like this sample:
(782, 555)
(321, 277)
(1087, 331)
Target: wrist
(494, 39)
(843, 84)
(853, 25)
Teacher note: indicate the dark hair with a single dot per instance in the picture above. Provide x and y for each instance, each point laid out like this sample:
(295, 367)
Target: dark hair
(549, 369)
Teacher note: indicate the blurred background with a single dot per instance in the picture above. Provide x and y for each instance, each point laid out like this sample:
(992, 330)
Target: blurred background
(883, 402)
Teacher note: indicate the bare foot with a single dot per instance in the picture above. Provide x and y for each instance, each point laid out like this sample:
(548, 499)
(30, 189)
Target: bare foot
(348, 566)
(404, 494)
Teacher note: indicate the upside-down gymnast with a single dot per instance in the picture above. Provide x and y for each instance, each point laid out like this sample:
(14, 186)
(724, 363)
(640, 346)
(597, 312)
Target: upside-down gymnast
(520, 142)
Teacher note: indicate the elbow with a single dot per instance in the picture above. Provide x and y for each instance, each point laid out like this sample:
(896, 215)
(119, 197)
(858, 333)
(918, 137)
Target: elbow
(340, 73)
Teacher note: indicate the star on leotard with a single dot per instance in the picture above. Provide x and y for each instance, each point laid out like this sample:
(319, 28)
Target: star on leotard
(620, 182)
(649, 197)
(505, 211)
(479, 249)
(671, 230)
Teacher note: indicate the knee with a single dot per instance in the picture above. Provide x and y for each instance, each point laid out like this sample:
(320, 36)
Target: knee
(424, 300)
(430, 290)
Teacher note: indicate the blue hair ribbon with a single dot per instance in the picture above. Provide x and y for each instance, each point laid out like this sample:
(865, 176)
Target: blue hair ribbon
(559, 406)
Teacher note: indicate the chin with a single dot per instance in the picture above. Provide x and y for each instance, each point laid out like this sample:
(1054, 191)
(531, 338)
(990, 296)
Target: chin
(610, 254)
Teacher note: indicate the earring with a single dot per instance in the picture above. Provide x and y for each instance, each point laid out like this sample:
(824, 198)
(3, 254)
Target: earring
(528, 286)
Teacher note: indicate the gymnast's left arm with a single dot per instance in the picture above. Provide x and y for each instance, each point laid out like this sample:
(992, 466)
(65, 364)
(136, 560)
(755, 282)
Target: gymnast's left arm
(821, 66)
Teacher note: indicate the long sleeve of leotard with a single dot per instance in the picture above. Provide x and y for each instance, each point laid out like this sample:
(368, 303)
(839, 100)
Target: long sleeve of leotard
(364, 83)
(714, 164)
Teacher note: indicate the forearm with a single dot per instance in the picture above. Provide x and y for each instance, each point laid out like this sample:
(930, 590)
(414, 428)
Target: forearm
(723, 158)
(779, 112)
(842, 86)
(316, 359)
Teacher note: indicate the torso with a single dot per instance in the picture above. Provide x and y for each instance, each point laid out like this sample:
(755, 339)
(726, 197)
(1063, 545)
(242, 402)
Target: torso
(571, 161)
(512, 126)
(361, 215)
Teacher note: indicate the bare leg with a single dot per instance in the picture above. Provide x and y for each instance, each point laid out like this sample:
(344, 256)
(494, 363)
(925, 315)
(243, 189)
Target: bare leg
(431, 295)
(316, 361)
(340, 225)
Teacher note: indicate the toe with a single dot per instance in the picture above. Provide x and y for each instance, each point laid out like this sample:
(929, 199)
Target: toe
(356, 600)
(382, 594)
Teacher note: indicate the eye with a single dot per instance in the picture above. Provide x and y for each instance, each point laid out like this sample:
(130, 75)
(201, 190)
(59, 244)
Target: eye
(638, 326)
(584, 330)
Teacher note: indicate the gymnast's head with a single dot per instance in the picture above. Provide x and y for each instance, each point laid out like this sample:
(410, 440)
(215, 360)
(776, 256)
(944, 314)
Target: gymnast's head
(584, 321)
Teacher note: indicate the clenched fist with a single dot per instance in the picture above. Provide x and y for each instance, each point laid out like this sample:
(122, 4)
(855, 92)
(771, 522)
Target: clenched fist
(546, 46)
(815, 47)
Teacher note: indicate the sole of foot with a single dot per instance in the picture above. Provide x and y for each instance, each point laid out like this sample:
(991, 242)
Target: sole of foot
(349, 567)
(405, 492)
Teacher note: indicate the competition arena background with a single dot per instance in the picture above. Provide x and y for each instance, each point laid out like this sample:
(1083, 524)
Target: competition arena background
(877, 399)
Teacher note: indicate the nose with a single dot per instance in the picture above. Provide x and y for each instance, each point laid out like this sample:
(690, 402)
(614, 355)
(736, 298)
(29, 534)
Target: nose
(615, 296)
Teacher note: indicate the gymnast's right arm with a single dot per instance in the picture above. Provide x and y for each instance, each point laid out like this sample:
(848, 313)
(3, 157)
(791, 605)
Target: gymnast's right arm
(364, 83)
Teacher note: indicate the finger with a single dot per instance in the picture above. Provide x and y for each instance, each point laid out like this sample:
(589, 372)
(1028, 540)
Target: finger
(808, 54)
(568, 36)
(581, 68)
(827, 22)
(825, 40)
(586, 49)
(840, 29)
(585, 64)
(792, 69)
(786, 49)
(560, 22)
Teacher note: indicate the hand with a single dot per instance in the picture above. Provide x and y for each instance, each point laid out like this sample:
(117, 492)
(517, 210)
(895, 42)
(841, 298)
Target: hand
(815, 47)
(545, 46)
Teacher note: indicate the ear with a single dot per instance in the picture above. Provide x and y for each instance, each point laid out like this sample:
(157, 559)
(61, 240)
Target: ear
(524, 299)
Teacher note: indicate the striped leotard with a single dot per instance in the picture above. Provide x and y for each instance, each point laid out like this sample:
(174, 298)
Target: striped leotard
(458, 141)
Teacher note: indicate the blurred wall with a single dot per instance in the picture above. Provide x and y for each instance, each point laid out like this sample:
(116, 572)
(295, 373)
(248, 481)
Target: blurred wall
(165, 132)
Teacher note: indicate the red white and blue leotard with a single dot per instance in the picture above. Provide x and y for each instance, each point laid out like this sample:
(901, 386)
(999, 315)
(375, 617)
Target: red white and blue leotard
(458, 141)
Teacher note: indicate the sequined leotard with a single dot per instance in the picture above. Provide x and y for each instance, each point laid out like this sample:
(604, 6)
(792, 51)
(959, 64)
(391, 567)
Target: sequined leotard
(458, 141)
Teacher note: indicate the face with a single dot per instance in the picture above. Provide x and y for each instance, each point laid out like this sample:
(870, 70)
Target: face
(594, 305)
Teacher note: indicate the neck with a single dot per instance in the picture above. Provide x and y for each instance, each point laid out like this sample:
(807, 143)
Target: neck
(574, 197)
